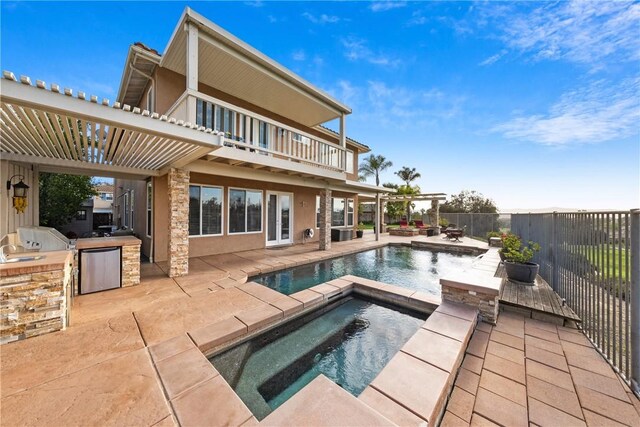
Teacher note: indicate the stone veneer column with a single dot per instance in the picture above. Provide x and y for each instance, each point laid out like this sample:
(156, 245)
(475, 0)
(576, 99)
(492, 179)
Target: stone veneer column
(325, 220)
(178, 184)
(435, 216)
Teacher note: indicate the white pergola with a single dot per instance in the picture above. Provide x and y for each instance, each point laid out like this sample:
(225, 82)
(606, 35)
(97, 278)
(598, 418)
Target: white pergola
(62, 132)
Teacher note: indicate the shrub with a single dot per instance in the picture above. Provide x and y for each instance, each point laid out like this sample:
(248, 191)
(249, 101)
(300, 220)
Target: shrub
(493, 234)
(514, 251)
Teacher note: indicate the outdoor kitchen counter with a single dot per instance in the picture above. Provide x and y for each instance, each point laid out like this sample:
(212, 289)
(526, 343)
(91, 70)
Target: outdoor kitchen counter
(107, 242)
(130, 255)
(54, 260)
(34, 295)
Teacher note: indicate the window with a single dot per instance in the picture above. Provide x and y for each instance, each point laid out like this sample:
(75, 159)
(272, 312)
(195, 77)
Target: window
(337, 212)
(81, 215)
(149, 207)
(106, 196)
(350, 206)
(245, 211)
(205, 210)
(342, 212)
(317, 211)
(349, 165)
(301, 138)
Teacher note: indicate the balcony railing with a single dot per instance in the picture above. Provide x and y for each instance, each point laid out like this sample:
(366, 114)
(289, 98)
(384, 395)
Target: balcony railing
(261, 135)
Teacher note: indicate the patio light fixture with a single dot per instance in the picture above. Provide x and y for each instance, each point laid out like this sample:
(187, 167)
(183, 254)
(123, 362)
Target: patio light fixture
(20, 191)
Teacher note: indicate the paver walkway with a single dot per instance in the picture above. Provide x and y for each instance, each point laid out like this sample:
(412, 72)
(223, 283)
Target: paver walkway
(100, 370)
(526, 372)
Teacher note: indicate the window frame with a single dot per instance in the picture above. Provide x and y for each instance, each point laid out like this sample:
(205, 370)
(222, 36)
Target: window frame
(222, 217)
(353, 212)
(81, 215)
(262, 198)
(125, 210)
(318, 213)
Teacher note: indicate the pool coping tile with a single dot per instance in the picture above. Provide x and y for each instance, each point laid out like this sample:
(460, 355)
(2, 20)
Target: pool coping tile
(215, 334)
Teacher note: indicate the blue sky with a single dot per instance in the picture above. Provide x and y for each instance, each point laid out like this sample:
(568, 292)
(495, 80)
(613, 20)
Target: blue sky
(533, 104)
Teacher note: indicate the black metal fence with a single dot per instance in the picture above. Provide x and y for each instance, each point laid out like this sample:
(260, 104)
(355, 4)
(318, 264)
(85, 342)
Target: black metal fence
(592, 260)
(478, 224)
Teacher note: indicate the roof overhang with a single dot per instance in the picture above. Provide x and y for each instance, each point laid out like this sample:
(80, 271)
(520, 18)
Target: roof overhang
(79, 135)
(228, 64)
(137, 72)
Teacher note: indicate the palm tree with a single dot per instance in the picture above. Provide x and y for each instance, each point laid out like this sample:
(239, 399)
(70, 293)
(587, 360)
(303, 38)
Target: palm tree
(373, 166)
(408, 175)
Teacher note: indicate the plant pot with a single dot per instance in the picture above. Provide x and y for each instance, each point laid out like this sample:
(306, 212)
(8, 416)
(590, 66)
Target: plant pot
(519, 272)
(359, 233)
(502, 257)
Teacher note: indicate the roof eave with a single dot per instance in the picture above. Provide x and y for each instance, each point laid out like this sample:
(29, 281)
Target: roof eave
(190, 15)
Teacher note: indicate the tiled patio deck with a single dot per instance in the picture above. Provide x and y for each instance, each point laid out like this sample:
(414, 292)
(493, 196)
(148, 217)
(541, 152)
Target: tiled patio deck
(101, 369)
(526, 372)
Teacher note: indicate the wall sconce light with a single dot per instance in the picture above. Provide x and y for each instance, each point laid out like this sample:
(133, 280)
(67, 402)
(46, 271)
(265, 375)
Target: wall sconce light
(20, 191)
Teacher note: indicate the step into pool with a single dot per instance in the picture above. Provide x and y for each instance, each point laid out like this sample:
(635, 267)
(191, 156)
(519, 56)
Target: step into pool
(349, 341)
(416, 269)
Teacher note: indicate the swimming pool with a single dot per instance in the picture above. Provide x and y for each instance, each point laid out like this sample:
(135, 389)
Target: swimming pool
(349, 341)
(417, 269)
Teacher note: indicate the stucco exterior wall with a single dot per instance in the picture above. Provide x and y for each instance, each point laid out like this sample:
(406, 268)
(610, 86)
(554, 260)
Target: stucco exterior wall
(122, 186)
(304, 216)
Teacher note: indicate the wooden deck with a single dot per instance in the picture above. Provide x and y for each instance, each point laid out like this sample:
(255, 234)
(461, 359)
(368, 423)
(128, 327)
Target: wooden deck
(539, 299)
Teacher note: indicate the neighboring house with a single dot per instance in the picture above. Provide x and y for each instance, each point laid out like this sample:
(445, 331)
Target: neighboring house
(82, 224)
(93, 213)
(215, 147)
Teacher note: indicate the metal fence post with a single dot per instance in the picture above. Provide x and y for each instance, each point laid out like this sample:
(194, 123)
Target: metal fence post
(554, 250)
(635, 301)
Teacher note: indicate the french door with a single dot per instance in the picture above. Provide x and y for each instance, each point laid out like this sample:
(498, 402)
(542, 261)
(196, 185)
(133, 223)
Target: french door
(279, 218)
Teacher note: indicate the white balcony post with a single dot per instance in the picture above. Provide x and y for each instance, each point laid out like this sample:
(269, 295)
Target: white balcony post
(192, 55)
(378, 213)
(192, 68)
(343, 140)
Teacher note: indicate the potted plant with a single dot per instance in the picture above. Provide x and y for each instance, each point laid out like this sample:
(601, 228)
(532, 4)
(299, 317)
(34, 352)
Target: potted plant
(517, 257)
(360, 231)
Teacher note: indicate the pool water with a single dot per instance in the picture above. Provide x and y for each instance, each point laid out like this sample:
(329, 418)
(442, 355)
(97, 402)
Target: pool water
(349, 341)
(410, 268)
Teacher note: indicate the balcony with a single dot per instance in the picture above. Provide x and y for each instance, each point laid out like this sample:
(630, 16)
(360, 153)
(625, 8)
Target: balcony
(249, 139)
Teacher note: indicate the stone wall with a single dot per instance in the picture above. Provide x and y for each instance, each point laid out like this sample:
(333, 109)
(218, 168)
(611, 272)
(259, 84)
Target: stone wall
(178, 183)
(33, 304)
(130, 265)
(325, 220)
(486, 304)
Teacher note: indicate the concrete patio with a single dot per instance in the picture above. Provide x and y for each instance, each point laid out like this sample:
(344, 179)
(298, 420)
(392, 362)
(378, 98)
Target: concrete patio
(126, 360)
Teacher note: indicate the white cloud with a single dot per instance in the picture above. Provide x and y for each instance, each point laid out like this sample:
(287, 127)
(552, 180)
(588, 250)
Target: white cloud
(417, 18)
(357, 50)
(397, 107)
(596, 113)
(494, 58)
(258, 3)
(299, 55)
(383, 6)
(577, 31)
(321, 19)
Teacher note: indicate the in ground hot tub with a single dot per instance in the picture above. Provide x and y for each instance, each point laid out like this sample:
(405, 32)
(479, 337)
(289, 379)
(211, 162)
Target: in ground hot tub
(349, 341)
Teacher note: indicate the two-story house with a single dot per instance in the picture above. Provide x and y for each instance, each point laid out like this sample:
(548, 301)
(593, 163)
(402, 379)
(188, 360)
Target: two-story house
(262, 186)
(216, 147)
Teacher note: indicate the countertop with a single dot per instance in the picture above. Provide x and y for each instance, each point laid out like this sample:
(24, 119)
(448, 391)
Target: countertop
(107, 242)
(53, 260)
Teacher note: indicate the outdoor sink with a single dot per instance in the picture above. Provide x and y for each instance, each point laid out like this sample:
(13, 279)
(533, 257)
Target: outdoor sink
(24, 258)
